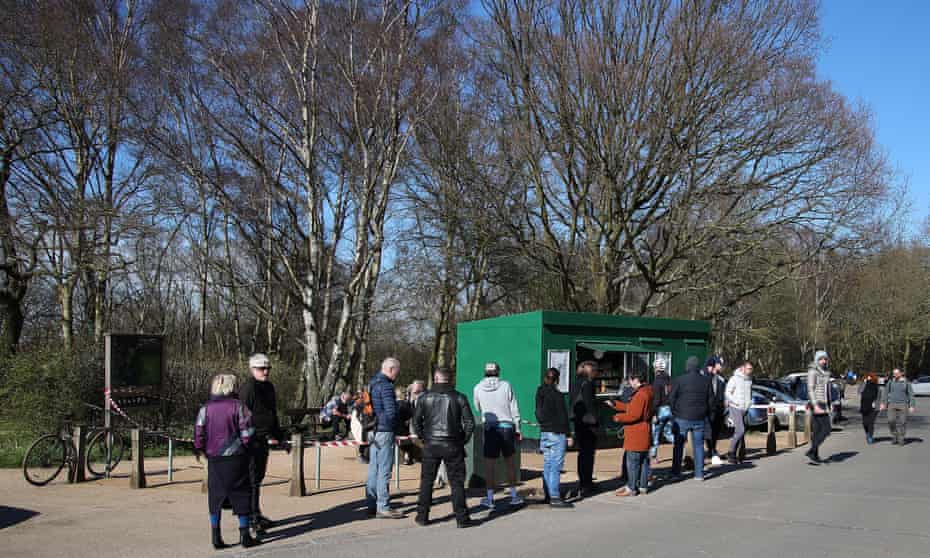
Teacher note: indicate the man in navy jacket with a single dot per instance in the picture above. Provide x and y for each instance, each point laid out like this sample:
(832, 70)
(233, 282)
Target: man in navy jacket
(381, 458)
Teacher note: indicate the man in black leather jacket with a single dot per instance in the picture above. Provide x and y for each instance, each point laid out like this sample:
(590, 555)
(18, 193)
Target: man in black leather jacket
(444, 421)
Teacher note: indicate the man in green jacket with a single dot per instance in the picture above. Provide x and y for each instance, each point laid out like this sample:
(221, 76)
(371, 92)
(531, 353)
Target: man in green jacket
(899, 400)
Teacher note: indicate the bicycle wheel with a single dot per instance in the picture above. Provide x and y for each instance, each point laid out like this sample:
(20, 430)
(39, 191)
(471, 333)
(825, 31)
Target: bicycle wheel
(44, 459)
(97, 451)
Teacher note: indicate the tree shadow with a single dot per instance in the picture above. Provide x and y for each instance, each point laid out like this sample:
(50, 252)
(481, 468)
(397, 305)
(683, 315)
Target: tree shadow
(10, 516)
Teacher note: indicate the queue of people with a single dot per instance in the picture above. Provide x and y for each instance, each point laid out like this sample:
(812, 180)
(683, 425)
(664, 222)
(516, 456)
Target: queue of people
(236, 427)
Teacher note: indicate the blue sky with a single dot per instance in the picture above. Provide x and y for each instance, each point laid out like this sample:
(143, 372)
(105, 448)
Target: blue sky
(878, 52)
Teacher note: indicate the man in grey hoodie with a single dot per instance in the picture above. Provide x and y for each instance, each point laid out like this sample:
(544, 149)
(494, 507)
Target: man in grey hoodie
(500, 416)
(899, 400)
(818, 389)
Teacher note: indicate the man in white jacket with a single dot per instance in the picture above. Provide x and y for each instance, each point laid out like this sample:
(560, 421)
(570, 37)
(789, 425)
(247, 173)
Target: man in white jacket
(739, 400)
(500, 416)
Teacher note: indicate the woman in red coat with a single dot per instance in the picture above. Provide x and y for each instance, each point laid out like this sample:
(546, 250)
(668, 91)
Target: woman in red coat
(636, 416)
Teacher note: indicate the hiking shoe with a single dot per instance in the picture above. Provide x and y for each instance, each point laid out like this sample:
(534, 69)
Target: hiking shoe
(421, 521)
(389, 514)
(560, 504)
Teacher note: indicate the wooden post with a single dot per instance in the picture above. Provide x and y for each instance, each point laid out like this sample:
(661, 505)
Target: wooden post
(297, 486)
(317, 466)
(396, 465)
(792, 427)
(137, 476)
(807, 426)
(771, 445)
(79, 435)
(688, 457)
(206, 472)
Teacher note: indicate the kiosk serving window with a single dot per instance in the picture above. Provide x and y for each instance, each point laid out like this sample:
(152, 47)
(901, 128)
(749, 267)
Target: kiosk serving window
(617, 362)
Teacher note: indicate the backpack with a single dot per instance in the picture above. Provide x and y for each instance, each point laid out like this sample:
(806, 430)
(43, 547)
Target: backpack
(367, 414)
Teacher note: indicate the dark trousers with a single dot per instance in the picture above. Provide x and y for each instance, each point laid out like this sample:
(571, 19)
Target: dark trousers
(454, 457)
(258, 464)
(820, 426)
(868, 422)
(713, 433)
(587, 444)
(340, 425)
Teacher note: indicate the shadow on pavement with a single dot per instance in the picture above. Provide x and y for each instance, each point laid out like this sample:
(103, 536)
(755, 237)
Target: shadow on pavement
(842, 456)
(11, 516)
(913, 441)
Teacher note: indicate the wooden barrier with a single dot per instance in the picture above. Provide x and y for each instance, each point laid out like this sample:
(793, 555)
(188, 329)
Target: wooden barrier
(807, 426)
(137, 476)
(297, 487)
(771, 446)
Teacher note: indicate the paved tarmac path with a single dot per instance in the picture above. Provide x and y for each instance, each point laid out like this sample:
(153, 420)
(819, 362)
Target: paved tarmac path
(867, 501)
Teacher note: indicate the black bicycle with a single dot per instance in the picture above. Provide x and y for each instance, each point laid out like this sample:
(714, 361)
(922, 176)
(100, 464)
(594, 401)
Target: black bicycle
(50, 453)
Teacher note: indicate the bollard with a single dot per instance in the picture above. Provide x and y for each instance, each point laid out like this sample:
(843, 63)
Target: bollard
(807, 425)
(688, 457)
(137, 477)
(80, 467)
(297, 486)
(204, 486)
(170, 459)
(396, 466)
(792, 427)
(771, 444)
(319, 455)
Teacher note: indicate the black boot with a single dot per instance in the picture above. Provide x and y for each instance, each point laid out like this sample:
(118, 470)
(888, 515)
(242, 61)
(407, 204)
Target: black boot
(217, 538)
(245, 538)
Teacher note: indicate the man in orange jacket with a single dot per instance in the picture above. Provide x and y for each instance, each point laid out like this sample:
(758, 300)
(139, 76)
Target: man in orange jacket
(636, 416)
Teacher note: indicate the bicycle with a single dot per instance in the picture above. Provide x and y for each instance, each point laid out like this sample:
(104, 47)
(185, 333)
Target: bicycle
(49, 454)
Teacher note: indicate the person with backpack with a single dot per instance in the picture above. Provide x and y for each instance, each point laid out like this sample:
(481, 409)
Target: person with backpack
(362, 422)
(444, 421)
(500, 417)
(381, 458)
(868, 406)
(661, 387)
(899, 400)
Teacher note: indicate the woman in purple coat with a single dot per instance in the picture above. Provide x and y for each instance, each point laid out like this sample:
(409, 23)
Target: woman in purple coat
(222, 432)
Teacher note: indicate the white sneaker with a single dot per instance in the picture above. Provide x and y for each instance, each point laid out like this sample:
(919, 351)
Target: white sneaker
(516, 501)
(487, 504)
(715, 460)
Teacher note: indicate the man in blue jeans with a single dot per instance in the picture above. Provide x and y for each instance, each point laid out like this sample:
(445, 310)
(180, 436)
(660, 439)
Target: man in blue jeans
(552, 415)
(661, 386)
(381, 457)
(691, 400)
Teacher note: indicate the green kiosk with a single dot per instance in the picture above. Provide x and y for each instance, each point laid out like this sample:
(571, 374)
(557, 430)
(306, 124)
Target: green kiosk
(525, 345)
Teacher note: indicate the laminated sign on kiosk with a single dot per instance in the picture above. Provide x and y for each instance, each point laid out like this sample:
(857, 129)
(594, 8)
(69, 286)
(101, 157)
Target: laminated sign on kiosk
(525, 345)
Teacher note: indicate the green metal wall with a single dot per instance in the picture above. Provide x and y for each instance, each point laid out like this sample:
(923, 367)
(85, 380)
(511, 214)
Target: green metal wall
(520, 344)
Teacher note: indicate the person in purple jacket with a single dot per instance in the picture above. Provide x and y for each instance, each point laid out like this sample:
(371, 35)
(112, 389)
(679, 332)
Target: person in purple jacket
(222, 432)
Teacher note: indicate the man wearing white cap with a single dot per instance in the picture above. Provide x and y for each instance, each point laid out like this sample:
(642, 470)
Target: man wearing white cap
(257, 393)
(661, 386)
(500, 416)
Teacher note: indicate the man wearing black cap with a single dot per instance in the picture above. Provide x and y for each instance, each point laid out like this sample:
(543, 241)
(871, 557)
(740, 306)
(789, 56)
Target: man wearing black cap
(718, 386)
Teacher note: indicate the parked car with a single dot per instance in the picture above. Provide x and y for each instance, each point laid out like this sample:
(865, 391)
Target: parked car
(755, 416)
(921, 385)
(782, 402)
